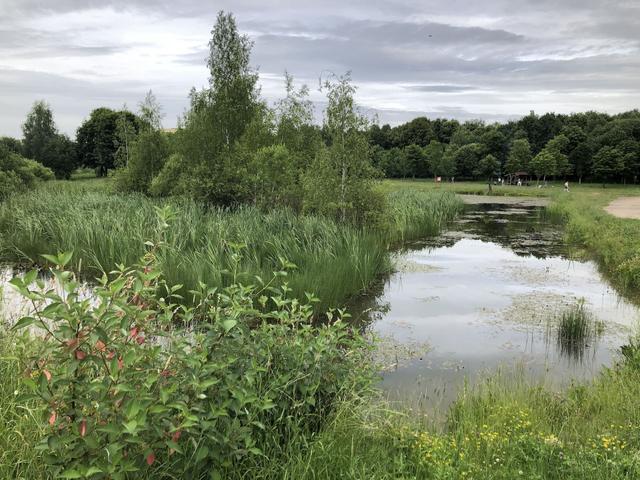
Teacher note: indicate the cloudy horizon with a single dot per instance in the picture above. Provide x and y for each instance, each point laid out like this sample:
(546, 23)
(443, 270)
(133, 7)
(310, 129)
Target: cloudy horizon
(458, 59)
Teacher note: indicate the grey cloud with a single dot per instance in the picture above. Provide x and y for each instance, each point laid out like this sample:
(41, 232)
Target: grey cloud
(441, 88)
(501, 54)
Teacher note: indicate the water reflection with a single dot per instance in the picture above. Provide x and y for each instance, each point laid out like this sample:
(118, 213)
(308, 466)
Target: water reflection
(489, 292)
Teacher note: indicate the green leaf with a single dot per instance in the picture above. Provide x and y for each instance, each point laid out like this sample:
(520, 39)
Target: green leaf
(131, 426)
(228, 324)
(52, 259)
(92, 471)
(65, 257)
(24, 322)
(201, 454)
(71, 473)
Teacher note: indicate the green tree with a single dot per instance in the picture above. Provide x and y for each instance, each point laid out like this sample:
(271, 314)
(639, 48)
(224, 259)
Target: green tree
(38, 129)
(150, 112)
(580, 159)
(543, 164)
(232, 80)
(415, 161)
(340, 181)
(440, 164)
(126, 131)
(467, 158)
(43, 143)
(60, 156)
(294, 119)
(608, 164)
(12, 144)
(97, 139)
(519, 156)
(557, 147)
(276, 177)
(488, 167)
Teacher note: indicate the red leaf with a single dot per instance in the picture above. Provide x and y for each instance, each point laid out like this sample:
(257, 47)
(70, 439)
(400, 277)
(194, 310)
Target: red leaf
(120, 363)
(176, 436)
(110, 355)
(52, 418)
(151, 458)
(100, 346)
(47, 374)
(83, 427)
(140, 339)
(80, 355)
(133, 332)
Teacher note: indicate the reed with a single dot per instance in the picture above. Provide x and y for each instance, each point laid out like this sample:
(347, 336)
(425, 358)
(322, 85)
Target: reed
(333, 261)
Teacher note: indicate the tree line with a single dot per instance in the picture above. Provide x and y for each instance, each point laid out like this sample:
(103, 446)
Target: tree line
(231, 147)
(581, 146)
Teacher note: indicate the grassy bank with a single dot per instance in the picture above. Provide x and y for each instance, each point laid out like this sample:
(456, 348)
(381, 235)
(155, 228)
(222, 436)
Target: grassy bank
(206, 245)
(503, 429)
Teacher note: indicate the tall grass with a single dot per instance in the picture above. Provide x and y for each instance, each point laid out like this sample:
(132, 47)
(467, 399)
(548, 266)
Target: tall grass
(20, 423)
(414, 214)
(334, 261)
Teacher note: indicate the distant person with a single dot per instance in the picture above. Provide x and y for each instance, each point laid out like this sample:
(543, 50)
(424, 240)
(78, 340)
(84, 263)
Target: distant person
(566, 186)
(519, 182)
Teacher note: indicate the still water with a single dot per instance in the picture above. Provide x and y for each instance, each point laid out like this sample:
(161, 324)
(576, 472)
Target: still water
(487, 294)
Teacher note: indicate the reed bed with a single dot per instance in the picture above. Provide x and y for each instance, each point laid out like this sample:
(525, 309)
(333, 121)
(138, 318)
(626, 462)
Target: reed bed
(333, 261)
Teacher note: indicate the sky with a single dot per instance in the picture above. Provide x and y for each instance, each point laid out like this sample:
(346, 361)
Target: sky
(493, 59)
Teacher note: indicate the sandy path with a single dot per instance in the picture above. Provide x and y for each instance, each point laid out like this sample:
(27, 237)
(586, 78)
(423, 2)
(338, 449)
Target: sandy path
(625, 207)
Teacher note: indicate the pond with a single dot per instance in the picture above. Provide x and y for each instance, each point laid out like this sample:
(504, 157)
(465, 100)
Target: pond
(488, 294)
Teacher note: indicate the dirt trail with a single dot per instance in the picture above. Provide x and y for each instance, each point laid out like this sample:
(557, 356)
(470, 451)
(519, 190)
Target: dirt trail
(625, 207)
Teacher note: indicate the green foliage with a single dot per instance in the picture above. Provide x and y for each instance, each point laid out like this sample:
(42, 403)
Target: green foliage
(571, 140)
(519, 156)
(60, 156)
(466, 158)
(543, 164)
(20, 421)
(170, 180)
(608, 164)
(413, 215)
(232, 81)
(488, 167)
(100, 138)
(275, 177)
(12, 144)
(43, 143)
(340, 181)
(18, 174)
(124, 390)
(148, 153)
(37, 130)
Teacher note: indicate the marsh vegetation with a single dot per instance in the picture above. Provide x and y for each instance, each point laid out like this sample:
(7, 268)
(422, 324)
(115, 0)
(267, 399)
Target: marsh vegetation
(186, 309)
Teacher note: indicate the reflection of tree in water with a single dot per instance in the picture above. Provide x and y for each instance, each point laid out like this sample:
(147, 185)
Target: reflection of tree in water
(368, 307)
(525, 230)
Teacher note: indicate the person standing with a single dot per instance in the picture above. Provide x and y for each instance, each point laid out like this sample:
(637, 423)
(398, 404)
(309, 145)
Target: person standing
(566, 186)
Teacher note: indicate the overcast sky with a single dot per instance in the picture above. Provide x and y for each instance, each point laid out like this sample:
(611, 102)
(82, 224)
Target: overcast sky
(491, 59)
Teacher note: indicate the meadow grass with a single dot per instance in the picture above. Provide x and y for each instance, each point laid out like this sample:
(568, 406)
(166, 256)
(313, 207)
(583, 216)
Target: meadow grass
(103, 229)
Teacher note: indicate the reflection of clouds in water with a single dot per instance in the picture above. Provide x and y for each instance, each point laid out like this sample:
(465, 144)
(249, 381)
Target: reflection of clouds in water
(497, 288)
(14, 306)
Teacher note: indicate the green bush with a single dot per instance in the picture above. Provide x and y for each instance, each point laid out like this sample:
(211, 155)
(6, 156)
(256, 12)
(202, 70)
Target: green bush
(148, 154)
(132, 382)
(18, 174)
